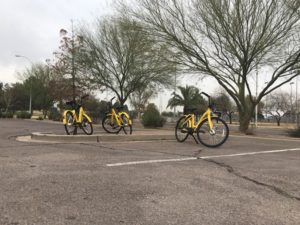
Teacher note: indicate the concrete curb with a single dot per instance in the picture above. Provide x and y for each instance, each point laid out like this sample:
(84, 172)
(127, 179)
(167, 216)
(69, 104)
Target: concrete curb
(47, 137)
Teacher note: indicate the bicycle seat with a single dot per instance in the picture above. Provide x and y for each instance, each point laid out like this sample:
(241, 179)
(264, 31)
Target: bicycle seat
(73, 104)
(70, 103)
(119, 108)
(218, 113)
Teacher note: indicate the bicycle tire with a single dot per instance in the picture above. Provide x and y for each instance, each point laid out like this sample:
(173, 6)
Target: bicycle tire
(110, 126)
(181, 129)
(126, 124)
(86, 126)
(220, 129)
(70, 126)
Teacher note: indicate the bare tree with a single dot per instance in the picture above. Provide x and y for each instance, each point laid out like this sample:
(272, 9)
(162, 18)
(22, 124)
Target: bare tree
(140, 98)
(278, 105)
(66, 67)
(121, 58)
(225, 105)
(228, 40)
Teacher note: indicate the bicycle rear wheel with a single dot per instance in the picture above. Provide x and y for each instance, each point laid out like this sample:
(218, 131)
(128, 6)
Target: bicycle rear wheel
(86, 126)
(212, 137)
(181, 129)
(110, 125)
(127, 127)
(70, 126)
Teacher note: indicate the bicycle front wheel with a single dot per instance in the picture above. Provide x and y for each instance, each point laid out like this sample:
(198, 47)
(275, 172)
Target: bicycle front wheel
(70, 125)
(212, 137)
(110, 125)
(86, 126)
(181, 129)
(127, 127)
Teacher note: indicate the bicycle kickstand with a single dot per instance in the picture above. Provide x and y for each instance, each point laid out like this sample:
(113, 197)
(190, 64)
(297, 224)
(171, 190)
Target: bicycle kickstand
(75, 130)
(195, 139)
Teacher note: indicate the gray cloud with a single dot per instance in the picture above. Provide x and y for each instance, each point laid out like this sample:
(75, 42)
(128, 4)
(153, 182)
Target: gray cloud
(31, 27)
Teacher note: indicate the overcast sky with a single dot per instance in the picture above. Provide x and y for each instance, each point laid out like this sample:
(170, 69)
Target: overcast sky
(31, 28)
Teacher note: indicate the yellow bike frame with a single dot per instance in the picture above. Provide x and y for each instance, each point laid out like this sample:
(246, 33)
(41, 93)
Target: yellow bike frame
(190, 118)
(78, 118)
(118, 117)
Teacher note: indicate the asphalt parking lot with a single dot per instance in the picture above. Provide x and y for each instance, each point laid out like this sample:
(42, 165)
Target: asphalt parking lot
(248, 180)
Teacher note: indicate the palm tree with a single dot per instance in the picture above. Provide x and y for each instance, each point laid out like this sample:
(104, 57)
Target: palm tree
(190, 98)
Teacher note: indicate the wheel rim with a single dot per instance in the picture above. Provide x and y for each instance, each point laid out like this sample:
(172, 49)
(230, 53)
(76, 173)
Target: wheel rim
(126, 125)
(86, 126)
(109, 126)
(214, 137)
(181, 130)
(70, 125)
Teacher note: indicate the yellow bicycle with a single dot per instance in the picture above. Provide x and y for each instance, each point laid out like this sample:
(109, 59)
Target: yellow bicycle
(76, 117)
(211, 130)
(117, 120)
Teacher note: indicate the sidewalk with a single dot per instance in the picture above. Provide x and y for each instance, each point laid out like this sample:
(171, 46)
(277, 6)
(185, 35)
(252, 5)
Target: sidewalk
(140, 134)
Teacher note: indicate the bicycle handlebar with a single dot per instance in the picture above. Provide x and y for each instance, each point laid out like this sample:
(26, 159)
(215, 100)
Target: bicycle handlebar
(207, 95)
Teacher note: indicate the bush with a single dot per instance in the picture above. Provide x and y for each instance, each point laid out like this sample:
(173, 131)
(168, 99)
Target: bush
(133, 114)
(23, 115)
(6, 115)
(294, 133)
(55, 115)
(152, 118)
(167, 114)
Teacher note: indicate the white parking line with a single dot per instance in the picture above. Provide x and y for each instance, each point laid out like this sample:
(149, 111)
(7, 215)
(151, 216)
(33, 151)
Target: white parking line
(203, 157)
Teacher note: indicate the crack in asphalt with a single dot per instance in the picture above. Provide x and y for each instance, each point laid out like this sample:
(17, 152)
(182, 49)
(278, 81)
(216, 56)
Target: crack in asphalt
(269, 186)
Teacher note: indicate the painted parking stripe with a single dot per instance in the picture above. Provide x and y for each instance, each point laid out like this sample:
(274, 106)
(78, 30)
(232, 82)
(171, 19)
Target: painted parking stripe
(152, 161)
(203, 157)
(250, 153)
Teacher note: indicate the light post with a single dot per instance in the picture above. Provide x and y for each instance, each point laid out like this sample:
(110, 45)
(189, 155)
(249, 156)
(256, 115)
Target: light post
(256, 93)
(266, 106)
(291, 83)
(297, 120)
(175, 92)
(30, 91)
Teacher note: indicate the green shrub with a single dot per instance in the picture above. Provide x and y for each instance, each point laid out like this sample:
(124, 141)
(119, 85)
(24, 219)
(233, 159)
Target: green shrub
(133, 114)
(23, 115)
(55, 115)
(6, 115)
(167, 114)
(152, 118)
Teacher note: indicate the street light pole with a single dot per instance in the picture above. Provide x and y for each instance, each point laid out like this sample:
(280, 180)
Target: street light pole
(30, 91)
(297, 119)
(266, 106)
(256, 107)
(291, 83)
(175, 84)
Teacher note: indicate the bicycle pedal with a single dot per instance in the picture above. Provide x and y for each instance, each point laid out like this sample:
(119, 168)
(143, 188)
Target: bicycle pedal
(184, 131)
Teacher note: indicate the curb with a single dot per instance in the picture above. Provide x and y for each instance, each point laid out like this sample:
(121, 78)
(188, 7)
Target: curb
(47, 137)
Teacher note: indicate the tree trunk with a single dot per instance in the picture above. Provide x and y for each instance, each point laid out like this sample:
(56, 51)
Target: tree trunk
(244, 119)
(45, 112)
(278, 121)
(230, 117)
